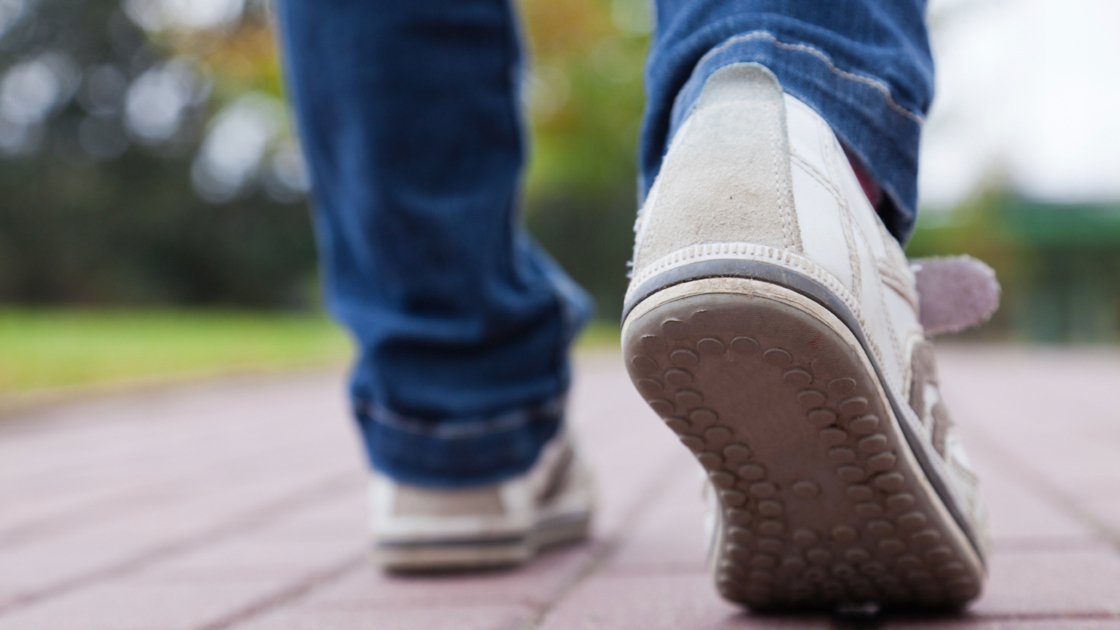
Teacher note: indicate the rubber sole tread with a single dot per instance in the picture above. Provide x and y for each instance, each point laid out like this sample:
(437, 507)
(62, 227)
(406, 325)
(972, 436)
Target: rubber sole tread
(821, 503)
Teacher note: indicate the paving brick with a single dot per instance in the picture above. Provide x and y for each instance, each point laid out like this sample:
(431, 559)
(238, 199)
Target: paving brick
(669, 535)
(342, 518)
(621, 437)
(1106, 512)
(1037, 418)
(106, 547)
(660, 602)
(34, 568)
(240, 559)
(536, 584)
(142, 606)
(164, 427)
(481, 617)
(137, 485)
(225, 500)
(1046, 407)
(971, 622)
(1062, 582)
(1021, 517)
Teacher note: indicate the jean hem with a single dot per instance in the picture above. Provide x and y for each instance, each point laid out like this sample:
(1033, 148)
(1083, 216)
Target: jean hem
(458, 428)
(458, 452)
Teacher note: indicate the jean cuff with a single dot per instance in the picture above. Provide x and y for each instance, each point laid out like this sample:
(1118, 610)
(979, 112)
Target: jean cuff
(457, 452)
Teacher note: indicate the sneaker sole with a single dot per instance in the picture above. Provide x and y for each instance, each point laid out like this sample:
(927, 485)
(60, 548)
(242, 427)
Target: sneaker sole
(480, 552)
(823, 502)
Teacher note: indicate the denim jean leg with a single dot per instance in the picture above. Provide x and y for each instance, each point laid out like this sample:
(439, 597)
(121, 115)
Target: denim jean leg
(863, 65)
(408, 114)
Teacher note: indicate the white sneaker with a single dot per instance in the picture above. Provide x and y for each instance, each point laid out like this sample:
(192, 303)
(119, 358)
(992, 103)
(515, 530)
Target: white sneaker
(424, 529)
(772, 322)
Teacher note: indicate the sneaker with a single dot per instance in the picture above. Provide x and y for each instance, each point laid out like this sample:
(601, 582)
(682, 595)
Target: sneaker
(773, 323)
(427, 529)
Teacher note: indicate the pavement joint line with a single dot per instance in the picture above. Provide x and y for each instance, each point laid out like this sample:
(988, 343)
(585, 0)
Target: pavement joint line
(288, 594)
(1041, 485)
(84, 515)
(76, 518)
(963, 620)
(16, 406)
(1048, 616)
(256, 517)
(1031, 545)
(677, 568)
(214, 431)
(643, 503)
(291, 596)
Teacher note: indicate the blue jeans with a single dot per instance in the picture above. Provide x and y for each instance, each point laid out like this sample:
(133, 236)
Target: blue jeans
(409, 115)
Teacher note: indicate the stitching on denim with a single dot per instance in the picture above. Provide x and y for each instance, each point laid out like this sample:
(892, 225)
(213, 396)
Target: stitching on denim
(463, 430)
(868, 81)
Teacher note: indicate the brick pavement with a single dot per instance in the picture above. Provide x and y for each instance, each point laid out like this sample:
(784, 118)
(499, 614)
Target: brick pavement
(238, 504)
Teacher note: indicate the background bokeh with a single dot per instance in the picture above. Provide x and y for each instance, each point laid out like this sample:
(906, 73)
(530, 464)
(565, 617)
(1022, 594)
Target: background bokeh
(148, 157)
(148, 165)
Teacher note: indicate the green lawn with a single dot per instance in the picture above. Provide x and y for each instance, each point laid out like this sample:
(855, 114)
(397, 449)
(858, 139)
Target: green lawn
(57, 348)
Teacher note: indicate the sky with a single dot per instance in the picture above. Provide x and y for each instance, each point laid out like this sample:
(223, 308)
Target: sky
(1028, 94)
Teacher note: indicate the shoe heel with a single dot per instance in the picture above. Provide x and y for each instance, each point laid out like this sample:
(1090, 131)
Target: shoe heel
(821, 500)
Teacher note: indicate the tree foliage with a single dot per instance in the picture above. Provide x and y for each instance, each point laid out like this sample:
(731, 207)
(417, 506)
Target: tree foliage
(146, 155)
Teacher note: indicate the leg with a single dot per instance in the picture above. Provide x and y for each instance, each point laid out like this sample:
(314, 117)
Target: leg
(410, 123)
(772, 320)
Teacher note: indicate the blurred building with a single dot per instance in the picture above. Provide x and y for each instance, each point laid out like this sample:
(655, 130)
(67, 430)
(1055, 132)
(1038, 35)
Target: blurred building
(1021, 159)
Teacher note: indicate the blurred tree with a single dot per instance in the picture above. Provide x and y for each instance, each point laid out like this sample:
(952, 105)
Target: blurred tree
(148, 158)
(585, 97)
(145, 156)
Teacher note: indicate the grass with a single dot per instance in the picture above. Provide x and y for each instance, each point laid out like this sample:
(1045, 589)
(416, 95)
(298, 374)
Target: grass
(599, 335)
(47, 349)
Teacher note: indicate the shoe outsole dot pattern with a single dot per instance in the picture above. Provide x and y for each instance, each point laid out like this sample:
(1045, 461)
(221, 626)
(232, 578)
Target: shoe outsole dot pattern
(818, 505)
